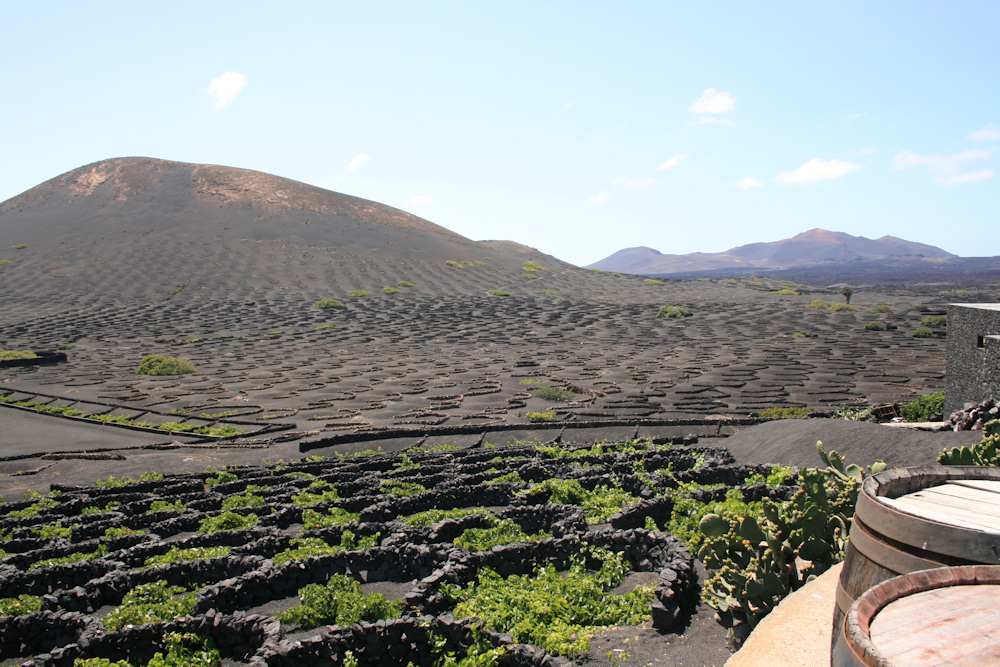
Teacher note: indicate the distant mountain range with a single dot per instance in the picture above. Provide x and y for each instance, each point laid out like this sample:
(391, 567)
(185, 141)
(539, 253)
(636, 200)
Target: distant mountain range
(812, 248)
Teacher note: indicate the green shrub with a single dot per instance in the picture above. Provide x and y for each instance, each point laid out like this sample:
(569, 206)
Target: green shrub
(653, 281)
(155, 602)
(785, 292)
(671, 311)
(560, 614)
(10, 355)
(221, 477)
(227, 521)
(390, 290)
(597, 505)
(452, 263)
(798, 334)
(500, 532)
(842, 307)
(316, 493)
(881, 308)
(21, 605)
(159, 364)
(552, 393)
(404, 283)
(875, 326)
(935, 321)
(339, 602)
(547, 416)
(784, 413)
(499, 292)
(401, 488)
(242, 500)
(64, 346)
(922, 332)
(178, 555)
(529, 276)
(325, 304)
(166, 506)
(533, 267)
(358, 293)
(306, 547)
(335, 516)
(924, 407)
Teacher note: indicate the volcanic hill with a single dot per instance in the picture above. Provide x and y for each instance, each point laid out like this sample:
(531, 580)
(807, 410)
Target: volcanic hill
(815, 247)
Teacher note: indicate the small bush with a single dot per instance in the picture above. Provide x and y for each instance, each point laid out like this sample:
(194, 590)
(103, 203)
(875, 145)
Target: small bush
(227, 521)
(533, 267)
(9, 355)
(358, 293)
(842, 307)
(881, 308)
(798, 334)
(875, 326)
(158, 364)
(404, 283)
(390, 290)
(935, 321)
(552, 393)
(339, 602)
(178, 555)
(64, 346)
(499, 292)
(671, 311)
(329, 303)
(785, 292)
(452, 263)
(154, 602)
(529, 276)
(924, 408)
(784, 413)
(922, 332)
(542, 416)
(653, 281)
(21, 605)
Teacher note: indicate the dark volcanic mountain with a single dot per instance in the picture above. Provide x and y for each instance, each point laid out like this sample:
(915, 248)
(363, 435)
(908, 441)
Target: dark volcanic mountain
(817, 246)
(155, 225)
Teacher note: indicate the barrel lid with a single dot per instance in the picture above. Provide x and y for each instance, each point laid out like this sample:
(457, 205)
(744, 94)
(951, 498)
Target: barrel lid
(943, 616)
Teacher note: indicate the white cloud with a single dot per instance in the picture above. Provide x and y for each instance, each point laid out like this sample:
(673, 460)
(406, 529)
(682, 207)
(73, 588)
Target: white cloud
(672, 162)
(816, 169)
(713, 101)
(637, 182)
(969, 177)
(747, 182)
(599, 199)
(419, 200)
(946, 167)
(988, 133)
(225, 88)
(356, 163)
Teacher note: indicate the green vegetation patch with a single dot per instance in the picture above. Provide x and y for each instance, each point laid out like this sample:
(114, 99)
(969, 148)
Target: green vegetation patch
(335, 516)
(935, 321)
(560, 614)
(11, 355)
(500, 532)
(924, 407)
(533, 267)
(671, 311)
(178, 555)
(923, 332)
(325, 304)
(21, 605)
(307, 547)
(875, 326)
(339, 602)
(184, 649)
(597, 505)
(499, 292)
(784, 413)
(155, 602)
(430, 517)
(227, 521)
(159, 364)
(652, 281)
(358, 293)
(452, 263)
(546, 416)
(553, 393)
(404, 283)
(881, 308)
(390, 290)
(785, 292)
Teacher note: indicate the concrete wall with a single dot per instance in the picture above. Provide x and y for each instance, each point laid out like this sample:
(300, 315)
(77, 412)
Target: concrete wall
(973, 366)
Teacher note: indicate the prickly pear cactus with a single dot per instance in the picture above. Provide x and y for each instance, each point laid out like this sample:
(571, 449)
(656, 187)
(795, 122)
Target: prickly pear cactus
(757, 561)
(986, 453)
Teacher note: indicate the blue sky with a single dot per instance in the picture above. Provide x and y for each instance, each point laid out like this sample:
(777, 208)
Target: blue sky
(577, 128)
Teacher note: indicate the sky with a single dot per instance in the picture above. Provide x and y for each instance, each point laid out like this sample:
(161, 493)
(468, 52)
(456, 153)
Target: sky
(578, 128)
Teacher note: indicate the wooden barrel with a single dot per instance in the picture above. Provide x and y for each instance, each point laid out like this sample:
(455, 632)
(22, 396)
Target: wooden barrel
(910, 519)
(945, 616)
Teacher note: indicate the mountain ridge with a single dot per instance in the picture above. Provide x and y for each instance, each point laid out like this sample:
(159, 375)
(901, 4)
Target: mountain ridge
(816, 246)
